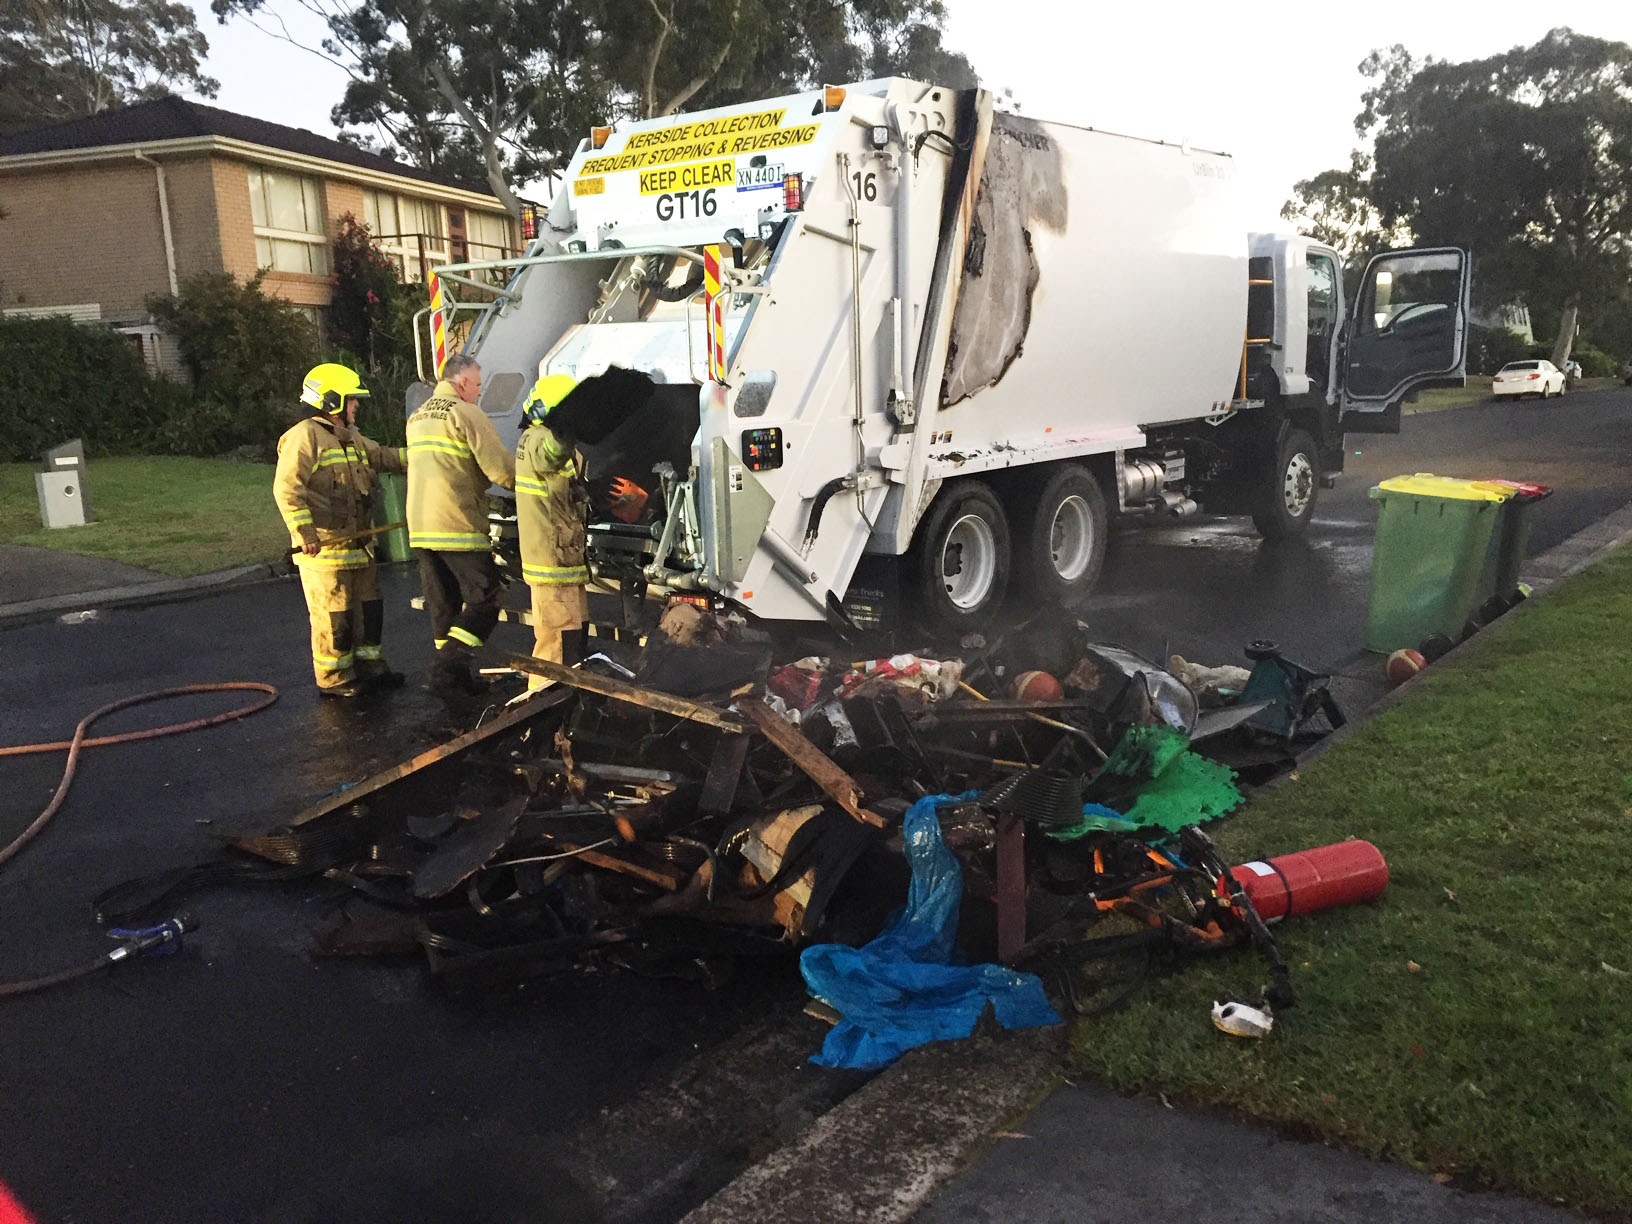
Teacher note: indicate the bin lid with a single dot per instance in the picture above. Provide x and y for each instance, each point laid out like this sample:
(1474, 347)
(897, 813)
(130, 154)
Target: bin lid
(1451, 488)
(1524, 490)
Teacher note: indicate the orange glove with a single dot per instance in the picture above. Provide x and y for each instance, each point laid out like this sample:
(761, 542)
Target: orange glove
(625, 500)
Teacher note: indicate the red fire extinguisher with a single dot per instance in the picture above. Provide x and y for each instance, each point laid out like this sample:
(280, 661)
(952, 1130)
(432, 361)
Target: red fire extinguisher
(1292, 885)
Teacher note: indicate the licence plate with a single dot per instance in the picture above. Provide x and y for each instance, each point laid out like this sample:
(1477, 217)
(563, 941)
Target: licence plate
(752, 178)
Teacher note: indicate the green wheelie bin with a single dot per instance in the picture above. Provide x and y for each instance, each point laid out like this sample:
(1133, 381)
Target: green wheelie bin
(1439, 552)
(391, 506)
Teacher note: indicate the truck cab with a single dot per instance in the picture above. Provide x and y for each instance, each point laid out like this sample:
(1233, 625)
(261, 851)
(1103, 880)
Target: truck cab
(1320, 363)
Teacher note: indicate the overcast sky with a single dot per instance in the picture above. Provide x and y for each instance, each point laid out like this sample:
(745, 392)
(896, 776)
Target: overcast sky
(1273, 84)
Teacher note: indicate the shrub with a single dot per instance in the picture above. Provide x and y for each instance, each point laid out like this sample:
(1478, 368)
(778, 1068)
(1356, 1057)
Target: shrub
(80, 381)
(371, 322)
(247, 353)
(1595, 363)
(1490, 348)
(365, 316)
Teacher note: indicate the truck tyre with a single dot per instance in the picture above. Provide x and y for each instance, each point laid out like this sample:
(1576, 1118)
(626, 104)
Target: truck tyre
(959, 568)
(1061, 528)
(1288, 498)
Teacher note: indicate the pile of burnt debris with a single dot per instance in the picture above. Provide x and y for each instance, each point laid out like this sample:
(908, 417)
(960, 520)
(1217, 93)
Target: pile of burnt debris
(710, 800)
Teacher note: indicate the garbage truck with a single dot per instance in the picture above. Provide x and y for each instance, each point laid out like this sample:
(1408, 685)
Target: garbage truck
(900, 349)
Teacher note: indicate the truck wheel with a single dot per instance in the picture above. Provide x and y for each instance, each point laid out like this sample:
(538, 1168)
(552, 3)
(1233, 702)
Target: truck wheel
(1062, 529)
(960, 563)
(1288, 499)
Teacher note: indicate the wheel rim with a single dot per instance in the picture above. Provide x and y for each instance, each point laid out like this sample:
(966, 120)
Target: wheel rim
(1071, 539)
(1298, 485)
(969, 562)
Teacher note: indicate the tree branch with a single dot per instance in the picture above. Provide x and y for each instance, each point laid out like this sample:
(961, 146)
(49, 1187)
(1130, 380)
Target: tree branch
(648, 98)
(697, 83)
(488, 136)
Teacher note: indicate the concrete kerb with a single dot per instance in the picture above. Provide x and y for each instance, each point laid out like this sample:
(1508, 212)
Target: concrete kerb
(143, 594)
(883, 1151)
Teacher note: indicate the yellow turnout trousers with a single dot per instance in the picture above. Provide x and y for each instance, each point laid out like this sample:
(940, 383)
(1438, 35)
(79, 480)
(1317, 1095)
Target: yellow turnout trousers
(555, 608)
(347, 614)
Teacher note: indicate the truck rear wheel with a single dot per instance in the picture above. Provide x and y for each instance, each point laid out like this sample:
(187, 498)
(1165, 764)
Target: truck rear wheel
(1062, 529)
(1287, 501)
(960, 561)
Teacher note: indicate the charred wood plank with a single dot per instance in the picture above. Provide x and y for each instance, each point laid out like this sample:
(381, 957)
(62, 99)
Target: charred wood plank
(811, 760)
(468, 850)
(620, 690)
(630, 861)
(507, 721)
(724, 774)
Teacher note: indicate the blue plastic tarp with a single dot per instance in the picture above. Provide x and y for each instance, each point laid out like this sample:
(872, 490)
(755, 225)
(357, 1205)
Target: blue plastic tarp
(902, 989)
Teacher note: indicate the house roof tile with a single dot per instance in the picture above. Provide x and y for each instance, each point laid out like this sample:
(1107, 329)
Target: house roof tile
(173, 118)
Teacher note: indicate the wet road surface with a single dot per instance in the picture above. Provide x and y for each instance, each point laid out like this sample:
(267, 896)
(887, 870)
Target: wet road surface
(1204, 587)
(245, 1076)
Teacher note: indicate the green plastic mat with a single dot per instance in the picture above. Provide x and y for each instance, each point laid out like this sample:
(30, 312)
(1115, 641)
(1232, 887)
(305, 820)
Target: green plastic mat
(1154, 781)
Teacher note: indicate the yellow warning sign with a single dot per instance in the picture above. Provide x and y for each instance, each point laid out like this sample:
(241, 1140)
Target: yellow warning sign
(704, 140)
(588, 186)
(695, 176)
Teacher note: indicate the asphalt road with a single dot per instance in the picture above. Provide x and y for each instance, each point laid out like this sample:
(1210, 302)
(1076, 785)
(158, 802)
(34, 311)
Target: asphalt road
(1204, 587)
(246, 1080)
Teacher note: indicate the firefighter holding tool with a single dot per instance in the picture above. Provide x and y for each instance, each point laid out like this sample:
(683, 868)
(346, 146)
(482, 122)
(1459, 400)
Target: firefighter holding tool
(325, 486)
(552, 516)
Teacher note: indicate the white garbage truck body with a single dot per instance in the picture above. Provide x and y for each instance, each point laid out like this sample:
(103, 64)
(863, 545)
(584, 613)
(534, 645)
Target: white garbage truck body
(895, 332)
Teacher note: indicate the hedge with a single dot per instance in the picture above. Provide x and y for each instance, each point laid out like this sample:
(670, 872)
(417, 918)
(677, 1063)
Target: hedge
(73, 381)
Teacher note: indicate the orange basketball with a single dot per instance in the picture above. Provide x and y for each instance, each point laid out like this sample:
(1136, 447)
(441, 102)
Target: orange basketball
(1403, 664)
(1035, 686)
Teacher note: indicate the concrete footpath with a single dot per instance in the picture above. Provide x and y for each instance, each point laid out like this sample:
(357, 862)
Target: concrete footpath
(41, 583)
(988, 1128)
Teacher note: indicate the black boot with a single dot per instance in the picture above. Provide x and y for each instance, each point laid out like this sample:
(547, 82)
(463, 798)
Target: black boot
(450, 673)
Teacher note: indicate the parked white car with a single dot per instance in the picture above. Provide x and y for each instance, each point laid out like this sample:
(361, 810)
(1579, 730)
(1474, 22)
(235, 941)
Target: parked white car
(1521, 378)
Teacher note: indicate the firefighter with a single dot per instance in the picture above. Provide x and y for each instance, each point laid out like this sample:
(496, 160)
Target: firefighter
(324, 486)
(552, 516)
(456, 455)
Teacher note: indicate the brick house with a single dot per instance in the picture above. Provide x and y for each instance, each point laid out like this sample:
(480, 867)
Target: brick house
(97, 214)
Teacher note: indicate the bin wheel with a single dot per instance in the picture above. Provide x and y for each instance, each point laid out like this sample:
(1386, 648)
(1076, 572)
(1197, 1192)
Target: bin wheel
(1287, 498)
(1435, 646)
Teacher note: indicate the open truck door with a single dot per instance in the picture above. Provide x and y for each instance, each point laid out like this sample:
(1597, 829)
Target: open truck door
(1408, 330)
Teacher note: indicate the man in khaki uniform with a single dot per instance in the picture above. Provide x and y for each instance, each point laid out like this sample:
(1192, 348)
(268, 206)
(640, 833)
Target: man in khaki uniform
(552, 510)
(456, 454)
(324, 488)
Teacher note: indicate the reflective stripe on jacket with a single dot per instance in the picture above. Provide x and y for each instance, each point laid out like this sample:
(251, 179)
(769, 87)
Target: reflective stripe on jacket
(325, 479)
(551, 510)
(456, 455)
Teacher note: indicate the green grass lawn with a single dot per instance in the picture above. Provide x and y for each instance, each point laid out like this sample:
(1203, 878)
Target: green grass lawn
(1477, 391)
(1501, 795)
(175, 516)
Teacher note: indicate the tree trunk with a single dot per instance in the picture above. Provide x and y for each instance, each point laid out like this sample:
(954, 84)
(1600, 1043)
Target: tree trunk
(1566, 332)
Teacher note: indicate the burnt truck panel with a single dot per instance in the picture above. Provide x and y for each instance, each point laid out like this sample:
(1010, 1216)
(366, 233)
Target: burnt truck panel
(1022, 188)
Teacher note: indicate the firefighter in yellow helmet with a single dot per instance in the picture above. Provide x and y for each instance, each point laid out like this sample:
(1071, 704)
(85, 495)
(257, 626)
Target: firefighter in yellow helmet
(552, 516)
(324, 486)
(457, 454)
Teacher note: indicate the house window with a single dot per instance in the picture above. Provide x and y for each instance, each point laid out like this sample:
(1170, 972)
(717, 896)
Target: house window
(287, 210)
(489, 235)
(411, 231)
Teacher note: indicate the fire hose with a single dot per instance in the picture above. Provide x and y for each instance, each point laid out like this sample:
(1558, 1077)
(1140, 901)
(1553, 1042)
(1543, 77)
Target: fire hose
(166, 937)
